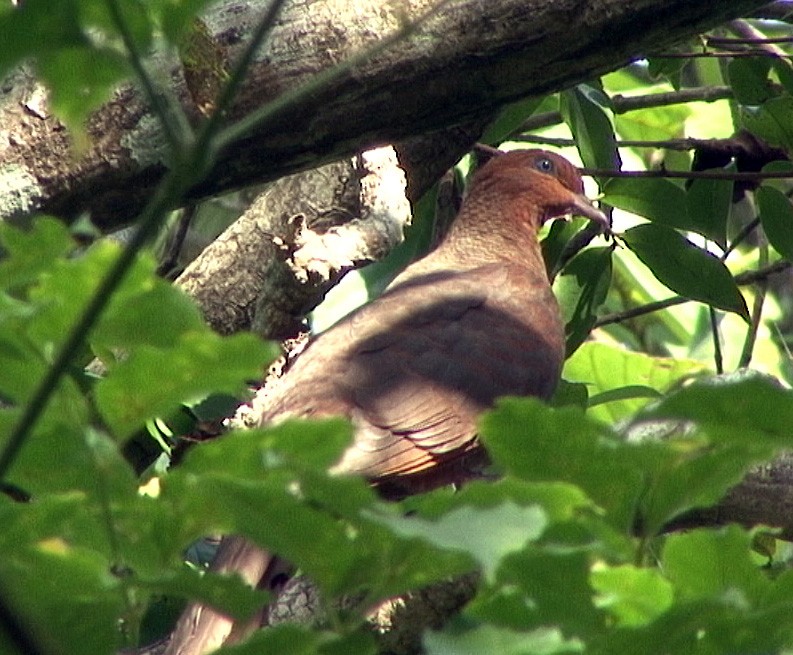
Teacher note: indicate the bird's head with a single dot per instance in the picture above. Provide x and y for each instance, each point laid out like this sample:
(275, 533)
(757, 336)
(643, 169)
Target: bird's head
(548, 181)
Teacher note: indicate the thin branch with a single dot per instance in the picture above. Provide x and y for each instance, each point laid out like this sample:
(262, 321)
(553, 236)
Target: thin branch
(753, 35)
(747, 229)
(622, 104)
(726, 40)
(757, 305)
(668, 144)
(744, 176)
(715, 55)
(750, 277)
(169, 262)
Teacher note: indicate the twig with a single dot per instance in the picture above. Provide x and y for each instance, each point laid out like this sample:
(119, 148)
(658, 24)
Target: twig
(753, 35)
(167, 268)
(746, 230)
(726, 40)
(622, 104)
(705, 54)
(668, 144)
(743, 176)
(750, 277)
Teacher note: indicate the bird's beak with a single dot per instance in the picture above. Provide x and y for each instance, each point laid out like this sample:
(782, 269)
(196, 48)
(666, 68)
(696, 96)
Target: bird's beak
(582, 206)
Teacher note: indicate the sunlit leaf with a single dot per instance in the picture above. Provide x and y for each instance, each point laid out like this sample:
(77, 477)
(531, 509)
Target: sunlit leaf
(632, 595)
(486, 638)
(710, 563)
(148, 383)
(607, 370)
(487, 535)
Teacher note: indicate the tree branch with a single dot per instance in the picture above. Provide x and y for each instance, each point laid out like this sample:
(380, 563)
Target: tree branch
(465, 63)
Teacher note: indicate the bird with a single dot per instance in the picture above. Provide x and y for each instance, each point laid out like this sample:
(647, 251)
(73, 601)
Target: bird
(472, 321)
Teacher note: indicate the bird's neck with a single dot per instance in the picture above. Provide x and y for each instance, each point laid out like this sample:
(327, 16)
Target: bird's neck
(496, 229)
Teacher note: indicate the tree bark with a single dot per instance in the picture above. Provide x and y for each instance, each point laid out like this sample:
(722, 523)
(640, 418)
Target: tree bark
(466, 62)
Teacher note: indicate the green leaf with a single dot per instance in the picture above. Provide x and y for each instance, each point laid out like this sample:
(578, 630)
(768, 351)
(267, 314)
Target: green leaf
(714, 564)
(771, 122)
(486, 535)
(80, 79)
(175, 18)
(540, 572)
(748, 78)
(607, 369)
(747, 407)
(538, 444)
(776, 215)
(784, 71)
(582, 288)
(509, 119)
(655, 198)
(228, 594)
(303, 444)
(293, 639)
(155, 314)
(668, 67)
(583, 109)
(28, 253)
(469, 640)
(38, 26)
(60, 458)
(52, 581)
(632, 595)
(152, 381)
(708, 208)
(686, 269)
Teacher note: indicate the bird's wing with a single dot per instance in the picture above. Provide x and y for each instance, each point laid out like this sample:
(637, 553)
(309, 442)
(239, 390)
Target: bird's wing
(415, 368)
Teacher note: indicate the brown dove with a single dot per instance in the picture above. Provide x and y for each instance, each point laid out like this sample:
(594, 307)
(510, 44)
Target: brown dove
(472, 321)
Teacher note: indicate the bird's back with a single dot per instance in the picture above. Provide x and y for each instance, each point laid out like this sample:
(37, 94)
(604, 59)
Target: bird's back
(414, 369)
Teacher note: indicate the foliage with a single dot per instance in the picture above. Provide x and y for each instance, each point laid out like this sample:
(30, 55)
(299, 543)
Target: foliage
(570, 541)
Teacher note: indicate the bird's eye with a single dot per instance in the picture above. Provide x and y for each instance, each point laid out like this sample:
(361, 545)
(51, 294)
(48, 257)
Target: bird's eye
(544, 165)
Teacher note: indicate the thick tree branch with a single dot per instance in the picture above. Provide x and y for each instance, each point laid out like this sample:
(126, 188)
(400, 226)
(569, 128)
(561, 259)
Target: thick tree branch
(469, 60)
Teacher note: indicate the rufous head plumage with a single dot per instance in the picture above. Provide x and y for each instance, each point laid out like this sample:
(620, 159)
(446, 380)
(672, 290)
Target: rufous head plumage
(554, 185)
